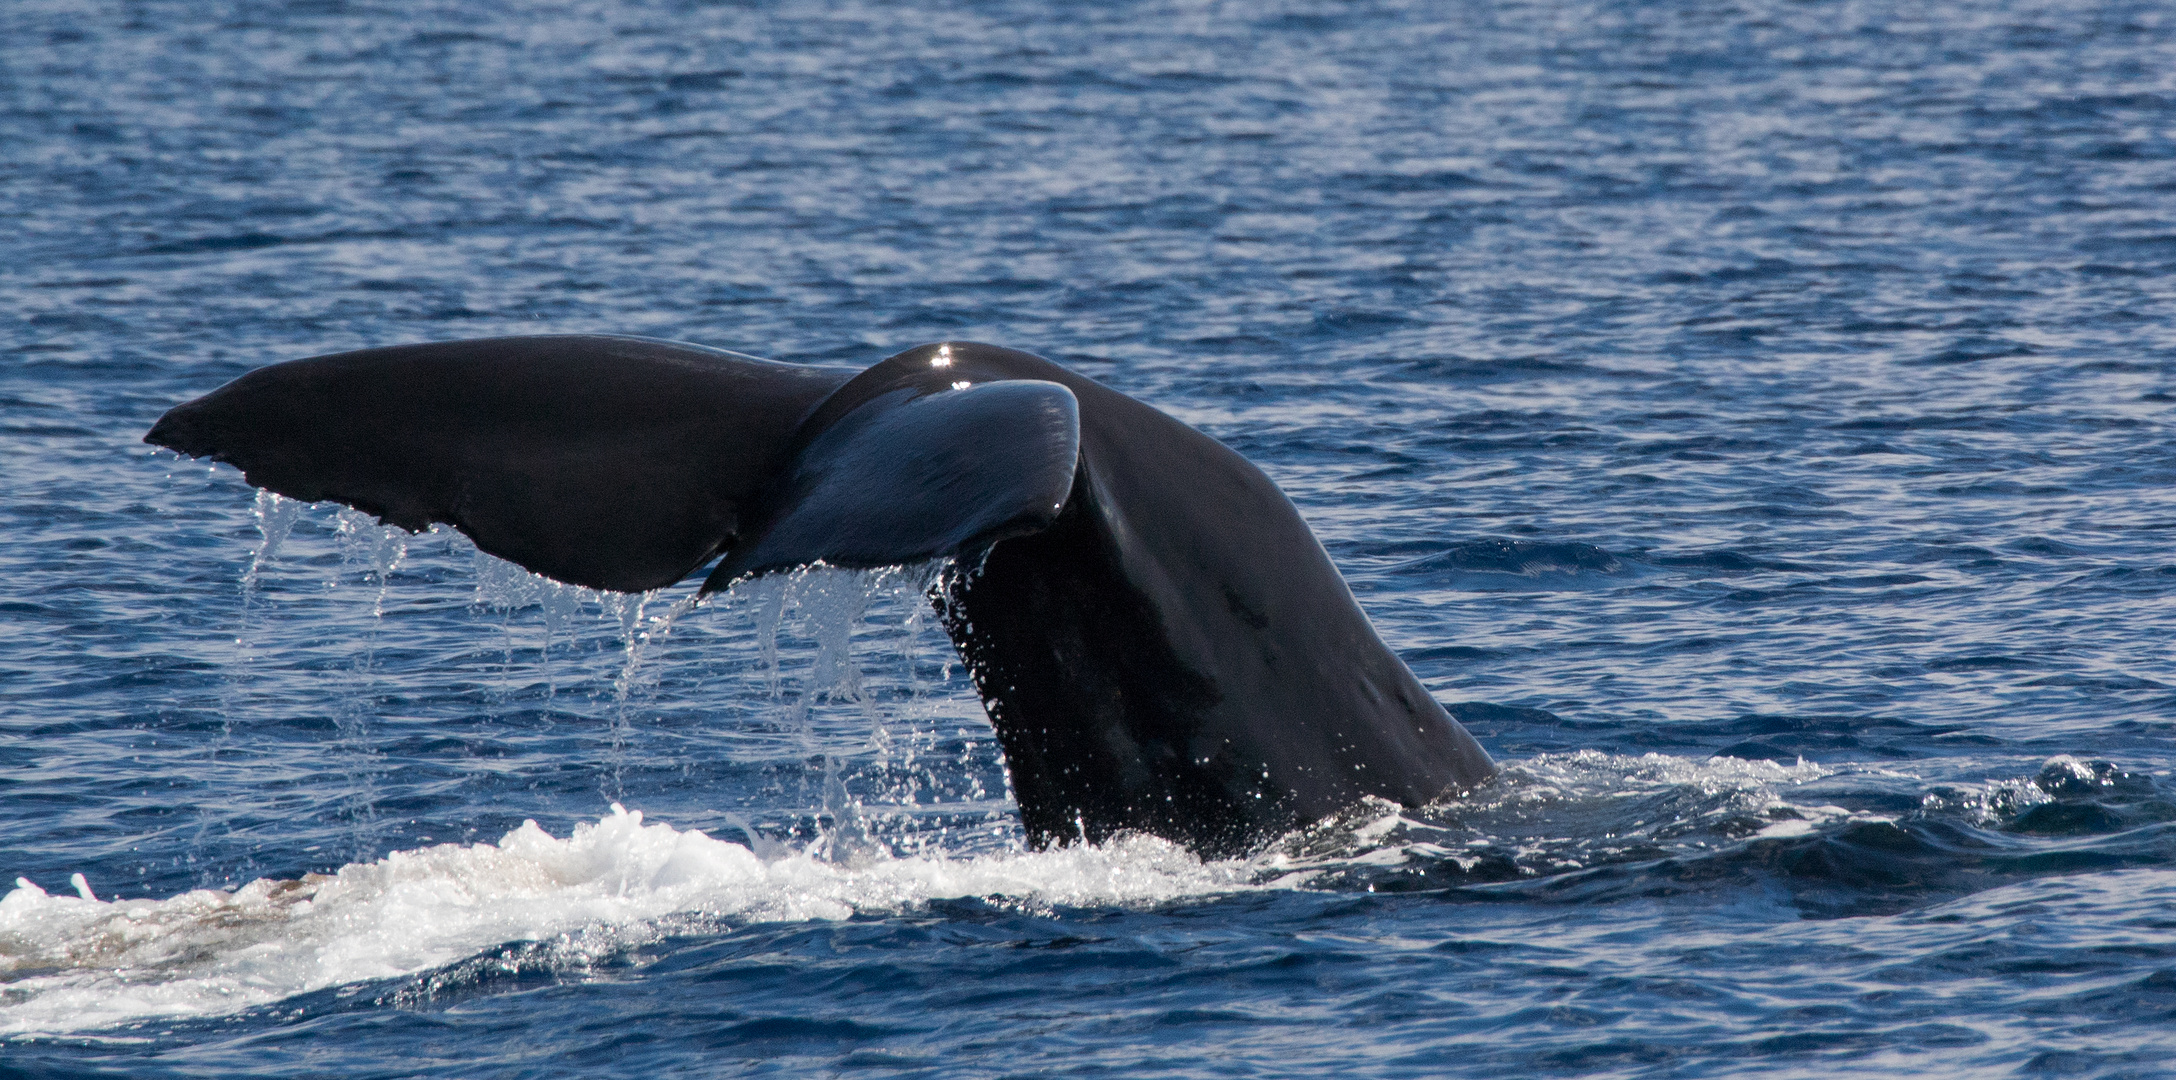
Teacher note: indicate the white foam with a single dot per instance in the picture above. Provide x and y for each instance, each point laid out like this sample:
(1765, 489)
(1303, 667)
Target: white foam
(70, 963)
(76, 963)
(1553, 813)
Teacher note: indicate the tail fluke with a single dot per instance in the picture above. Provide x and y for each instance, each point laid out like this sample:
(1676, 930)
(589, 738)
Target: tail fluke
(626, 463)
(611, 462)
(906, 477)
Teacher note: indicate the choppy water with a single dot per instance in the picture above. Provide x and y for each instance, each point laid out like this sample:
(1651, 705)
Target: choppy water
(1757, 420)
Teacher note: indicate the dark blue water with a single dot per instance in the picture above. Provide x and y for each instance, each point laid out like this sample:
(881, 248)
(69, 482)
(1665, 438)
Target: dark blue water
(1756, 420)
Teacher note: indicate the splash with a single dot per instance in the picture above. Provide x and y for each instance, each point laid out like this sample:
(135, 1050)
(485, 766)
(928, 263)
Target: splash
(861, 691)
(78, 963)
(70, 963)
(835, 679)
(275, 517)
(1553, 814)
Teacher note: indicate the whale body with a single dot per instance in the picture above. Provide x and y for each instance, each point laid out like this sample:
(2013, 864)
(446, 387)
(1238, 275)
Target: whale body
(1159, 640)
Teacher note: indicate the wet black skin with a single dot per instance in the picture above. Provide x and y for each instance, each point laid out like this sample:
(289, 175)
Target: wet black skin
(1160, 642)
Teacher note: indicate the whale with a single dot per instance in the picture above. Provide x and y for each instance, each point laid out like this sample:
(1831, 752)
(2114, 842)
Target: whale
(1160, 642)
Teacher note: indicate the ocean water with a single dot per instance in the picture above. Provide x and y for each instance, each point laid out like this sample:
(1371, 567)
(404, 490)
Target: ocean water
(1755, 420)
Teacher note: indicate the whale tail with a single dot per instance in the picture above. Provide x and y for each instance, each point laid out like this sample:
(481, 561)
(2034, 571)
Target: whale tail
(1159, 640)
(625, 463)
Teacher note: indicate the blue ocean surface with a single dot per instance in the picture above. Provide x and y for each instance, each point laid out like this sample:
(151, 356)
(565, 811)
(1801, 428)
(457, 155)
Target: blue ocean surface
(1754, 419)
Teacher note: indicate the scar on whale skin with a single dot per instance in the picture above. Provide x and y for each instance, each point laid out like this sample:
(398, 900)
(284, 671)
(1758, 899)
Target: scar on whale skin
(1160, 642)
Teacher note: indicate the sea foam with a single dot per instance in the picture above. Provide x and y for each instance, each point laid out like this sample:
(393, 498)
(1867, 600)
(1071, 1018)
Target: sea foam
(73, 963)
